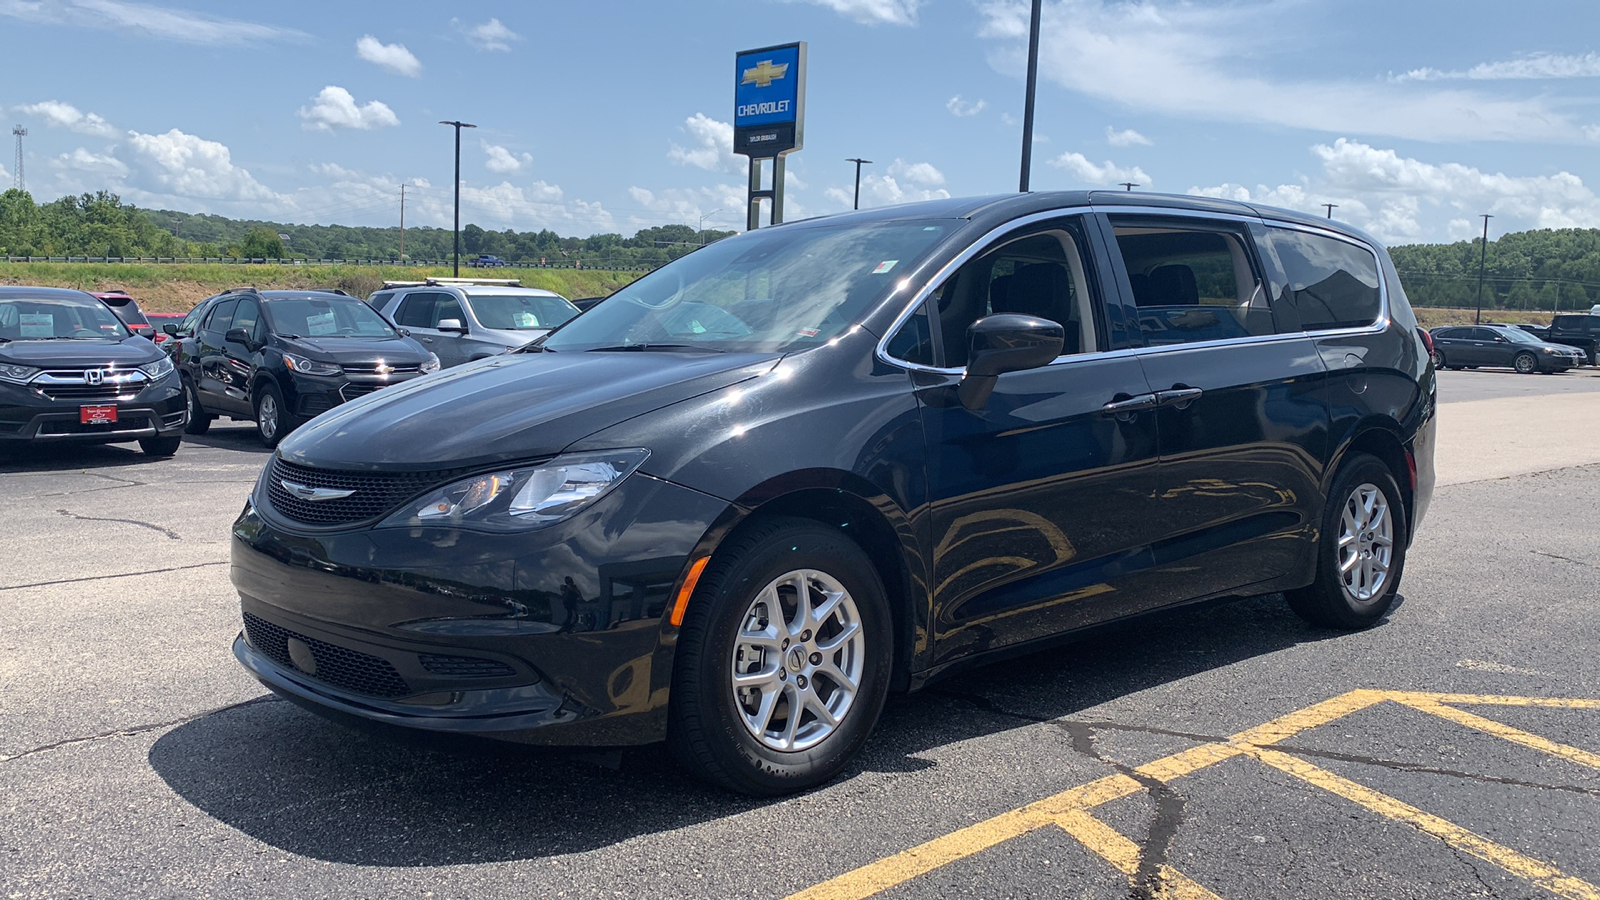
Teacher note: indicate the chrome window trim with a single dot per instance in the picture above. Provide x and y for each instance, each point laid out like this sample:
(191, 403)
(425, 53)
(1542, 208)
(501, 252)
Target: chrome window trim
(1381, 324)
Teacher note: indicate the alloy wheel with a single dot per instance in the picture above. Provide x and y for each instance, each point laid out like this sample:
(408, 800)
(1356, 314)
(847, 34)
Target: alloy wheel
(267, 416)
(1366, 543)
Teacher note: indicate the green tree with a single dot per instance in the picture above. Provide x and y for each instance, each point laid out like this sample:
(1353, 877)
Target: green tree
(261, 243)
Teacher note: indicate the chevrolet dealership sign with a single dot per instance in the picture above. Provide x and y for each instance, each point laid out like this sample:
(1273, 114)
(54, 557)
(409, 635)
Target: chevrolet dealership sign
(769, 99)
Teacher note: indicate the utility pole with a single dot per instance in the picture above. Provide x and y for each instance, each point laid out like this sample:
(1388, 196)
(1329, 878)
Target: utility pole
(703, 224)
(1483, 261)
(1027, 106)
(1130, 185)
(21, 133)
(1331, 207)
(859, 163)
(458, 127)
(402, 224)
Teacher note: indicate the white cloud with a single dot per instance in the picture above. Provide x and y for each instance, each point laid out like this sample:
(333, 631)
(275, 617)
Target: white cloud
(1402, 199)
(961, 108)
(713, 146)
(921, 174)
(183, 165)
(146, 19)
(1538, 65)
(875, 12)
(99, 165)
(65, 115)
(1205, 61)
(394, 57)
(334, 108)
(490, 35)
(685, 206)
(1104, 175)
(503, 161)
(901, 182)
(1126, 138)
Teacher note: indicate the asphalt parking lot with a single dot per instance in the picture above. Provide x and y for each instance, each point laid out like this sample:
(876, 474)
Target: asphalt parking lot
(1227, 751)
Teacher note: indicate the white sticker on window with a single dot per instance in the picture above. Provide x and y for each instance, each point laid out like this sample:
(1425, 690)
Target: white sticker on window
(525, 320)
(38, 325)
(884, 266)
(322, 323)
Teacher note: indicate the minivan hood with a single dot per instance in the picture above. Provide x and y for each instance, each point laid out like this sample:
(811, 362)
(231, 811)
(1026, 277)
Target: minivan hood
(507, 408)
(357, 349)
(130, 351)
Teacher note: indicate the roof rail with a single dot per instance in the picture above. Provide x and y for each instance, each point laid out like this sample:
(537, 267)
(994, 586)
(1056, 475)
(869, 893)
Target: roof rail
(400, 284)
(496, 282)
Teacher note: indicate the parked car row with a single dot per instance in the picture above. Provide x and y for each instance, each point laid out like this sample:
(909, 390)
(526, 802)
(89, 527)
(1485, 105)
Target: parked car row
(1472, 346)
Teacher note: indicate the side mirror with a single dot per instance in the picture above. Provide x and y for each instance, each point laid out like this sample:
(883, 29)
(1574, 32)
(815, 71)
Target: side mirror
(170, 329)
(239, 336)
(1003, 343)
(452, 325)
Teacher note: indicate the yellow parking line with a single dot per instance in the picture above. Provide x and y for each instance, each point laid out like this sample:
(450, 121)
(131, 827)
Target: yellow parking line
(1542, 874)
(1124, 854)
(1494, 700)
(1515, 735)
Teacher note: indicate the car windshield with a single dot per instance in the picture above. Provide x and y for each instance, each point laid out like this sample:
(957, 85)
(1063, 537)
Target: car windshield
(1518, 335)
(771, 290)
(57, 318)
(520, 312)
(325, 317)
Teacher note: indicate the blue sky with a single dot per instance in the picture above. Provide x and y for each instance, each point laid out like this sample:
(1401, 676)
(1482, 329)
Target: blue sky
(1414, 117)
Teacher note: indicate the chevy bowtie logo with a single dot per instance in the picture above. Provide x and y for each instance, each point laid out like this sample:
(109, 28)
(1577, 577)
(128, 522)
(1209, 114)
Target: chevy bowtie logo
(384, 368)
(313, 494)
(765, 73)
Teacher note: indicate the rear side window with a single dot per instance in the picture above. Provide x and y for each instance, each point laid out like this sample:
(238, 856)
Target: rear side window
(1572, 323)
(376, 301)
(221, 318)
(1192, 283)
(1332, 283)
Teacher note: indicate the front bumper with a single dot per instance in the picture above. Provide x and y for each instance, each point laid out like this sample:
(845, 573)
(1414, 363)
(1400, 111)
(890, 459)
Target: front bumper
(554, 636)
(156, 411)
(310, 395)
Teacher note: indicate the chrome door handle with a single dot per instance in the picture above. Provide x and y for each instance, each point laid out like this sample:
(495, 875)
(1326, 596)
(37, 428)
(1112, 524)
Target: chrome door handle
(1130, 405)
(1179, 397)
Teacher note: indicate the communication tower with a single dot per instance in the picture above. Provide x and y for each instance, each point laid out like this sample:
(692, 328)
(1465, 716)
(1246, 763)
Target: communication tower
(21, 133)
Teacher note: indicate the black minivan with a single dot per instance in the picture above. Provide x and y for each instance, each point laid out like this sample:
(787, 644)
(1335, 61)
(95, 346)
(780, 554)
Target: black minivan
(281, 357)
(71, 370)
(739, 501)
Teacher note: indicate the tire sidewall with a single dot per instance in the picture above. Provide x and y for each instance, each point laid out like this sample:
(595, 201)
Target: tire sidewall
(725, 598)
(1362, 469)
(281, 423)
(1532, 366)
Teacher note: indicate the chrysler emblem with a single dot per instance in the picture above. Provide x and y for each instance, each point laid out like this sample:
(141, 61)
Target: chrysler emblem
(313, 494)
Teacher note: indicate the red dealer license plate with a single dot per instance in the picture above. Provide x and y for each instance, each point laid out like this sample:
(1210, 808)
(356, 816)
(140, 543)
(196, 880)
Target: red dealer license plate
(96, 415)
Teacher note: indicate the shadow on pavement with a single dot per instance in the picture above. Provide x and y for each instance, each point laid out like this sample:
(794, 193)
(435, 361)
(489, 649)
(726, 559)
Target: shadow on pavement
(310, 787)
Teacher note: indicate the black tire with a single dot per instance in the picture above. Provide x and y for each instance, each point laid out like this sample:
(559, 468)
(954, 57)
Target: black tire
(160, 446)
(1438, 360)
(1327, 600)
(273, 419)
(199, 420)
(707, 729)
(1525, 364)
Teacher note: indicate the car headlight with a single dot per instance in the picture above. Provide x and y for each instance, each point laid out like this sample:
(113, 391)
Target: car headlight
(522, 498)
(432, 365)
(159, 369)
(1551, 350)
(310, 366)
(17, 374)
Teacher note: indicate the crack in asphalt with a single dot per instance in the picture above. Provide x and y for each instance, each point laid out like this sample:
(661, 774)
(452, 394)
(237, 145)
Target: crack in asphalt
(1578, 562)
(17, 587)
(140, 729)
(1431, 770)
(171, 535)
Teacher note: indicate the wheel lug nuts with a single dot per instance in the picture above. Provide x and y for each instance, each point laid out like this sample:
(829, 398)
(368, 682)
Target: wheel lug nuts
(816, 659)
(806, 636)
(785, 644)
(782, 675)
(800, 680)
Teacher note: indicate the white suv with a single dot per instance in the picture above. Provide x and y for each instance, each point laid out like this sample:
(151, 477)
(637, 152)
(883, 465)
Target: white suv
(462, 319)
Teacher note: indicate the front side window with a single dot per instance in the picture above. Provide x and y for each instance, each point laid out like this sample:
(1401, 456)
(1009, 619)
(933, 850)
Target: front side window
(448, 308)
(771, 290)
(221, 318)
(1192, 282)
(248, 317)
(1332, 283)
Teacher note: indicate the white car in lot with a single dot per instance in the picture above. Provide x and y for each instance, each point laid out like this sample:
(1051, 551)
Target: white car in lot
(463, 319)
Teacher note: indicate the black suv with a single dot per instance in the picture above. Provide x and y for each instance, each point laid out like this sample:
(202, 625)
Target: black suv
(749, 494)
(281, 357)
(70, 370)
(1581, 331)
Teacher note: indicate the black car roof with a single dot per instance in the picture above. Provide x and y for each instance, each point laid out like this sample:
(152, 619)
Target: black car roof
(26, 292)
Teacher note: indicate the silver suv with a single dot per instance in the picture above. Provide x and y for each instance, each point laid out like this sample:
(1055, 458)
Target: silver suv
(462, 319)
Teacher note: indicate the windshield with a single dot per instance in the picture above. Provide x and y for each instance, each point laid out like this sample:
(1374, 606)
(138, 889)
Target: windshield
(520, 312)
(767, 291)
(319, 317)
(58, 318)
(1519, 336)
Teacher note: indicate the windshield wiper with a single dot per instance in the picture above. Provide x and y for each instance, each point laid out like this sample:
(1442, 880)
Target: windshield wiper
(643, 347)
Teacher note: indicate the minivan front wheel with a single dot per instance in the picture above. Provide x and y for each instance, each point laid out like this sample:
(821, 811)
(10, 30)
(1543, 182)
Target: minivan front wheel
(783, 662)
(1361, 551)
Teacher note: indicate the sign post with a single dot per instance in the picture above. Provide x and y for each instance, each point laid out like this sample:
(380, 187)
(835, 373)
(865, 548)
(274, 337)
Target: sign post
(769, 100)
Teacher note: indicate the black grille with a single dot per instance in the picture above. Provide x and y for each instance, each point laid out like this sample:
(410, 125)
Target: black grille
(372, 369)
(376, 493)
(352, 390)
(465, 666)
(343, 668)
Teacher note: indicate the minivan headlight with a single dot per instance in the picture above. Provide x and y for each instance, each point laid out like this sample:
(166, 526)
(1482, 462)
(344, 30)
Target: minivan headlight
(159, 369)
(17, 374)
(522, 498)
(310, 366)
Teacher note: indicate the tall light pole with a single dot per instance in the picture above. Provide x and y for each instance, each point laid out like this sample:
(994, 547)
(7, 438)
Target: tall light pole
(1483, 262)
(859, 163)
(1130, 185)
(1027, 106)
(458, 127)
(703, 219)
(1330, 207)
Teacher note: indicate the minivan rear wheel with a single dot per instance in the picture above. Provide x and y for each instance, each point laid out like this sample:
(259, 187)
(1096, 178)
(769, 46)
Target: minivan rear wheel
(1361, 551)
(783, 661)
